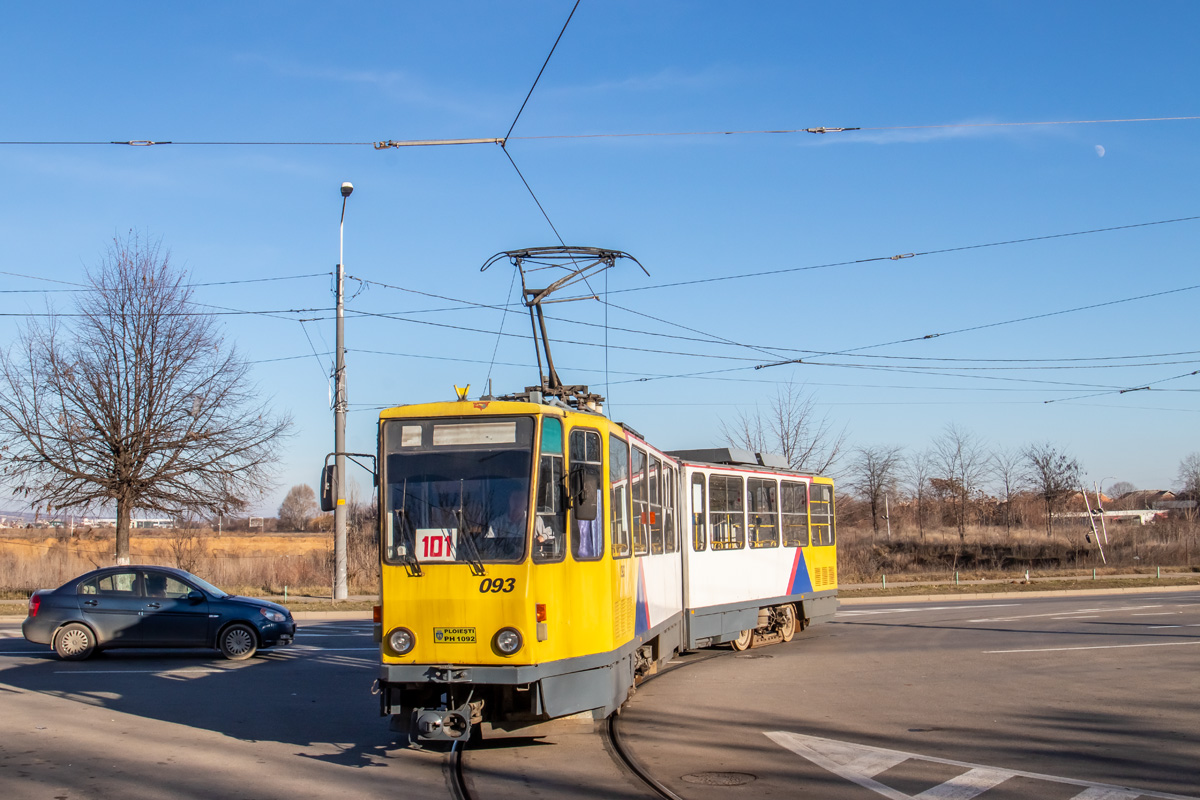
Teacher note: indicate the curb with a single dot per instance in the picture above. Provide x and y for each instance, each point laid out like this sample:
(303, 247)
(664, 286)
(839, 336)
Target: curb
(945, 598)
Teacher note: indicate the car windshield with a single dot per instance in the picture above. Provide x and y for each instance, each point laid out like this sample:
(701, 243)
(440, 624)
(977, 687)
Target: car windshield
(207, 587)
(457, 489)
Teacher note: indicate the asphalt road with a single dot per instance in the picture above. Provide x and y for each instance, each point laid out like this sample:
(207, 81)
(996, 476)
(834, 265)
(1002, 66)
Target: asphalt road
(1064, 697)
(295, 723)
(1006, 697)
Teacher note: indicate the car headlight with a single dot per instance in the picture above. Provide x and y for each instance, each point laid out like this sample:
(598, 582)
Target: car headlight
(273, 615)
(401, 640)
(508, 641)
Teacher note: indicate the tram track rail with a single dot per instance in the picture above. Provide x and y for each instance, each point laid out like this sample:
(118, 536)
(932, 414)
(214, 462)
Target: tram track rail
(455, 768)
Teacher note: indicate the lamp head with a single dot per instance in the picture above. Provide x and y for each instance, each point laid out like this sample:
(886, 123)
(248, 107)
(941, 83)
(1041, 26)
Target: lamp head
(347, 188)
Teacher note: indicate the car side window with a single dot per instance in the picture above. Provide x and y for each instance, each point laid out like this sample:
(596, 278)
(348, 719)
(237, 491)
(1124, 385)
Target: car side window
(159, 584)
(117, 584)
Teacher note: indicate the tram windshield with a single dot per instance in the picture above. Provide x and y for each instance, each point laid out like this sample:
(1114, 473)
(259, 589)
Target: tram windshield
(457, 490)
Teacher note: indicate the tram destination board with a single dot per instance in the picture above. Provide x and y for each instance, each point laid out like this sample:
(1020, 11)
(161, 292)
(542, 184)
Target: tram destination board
(454, 635)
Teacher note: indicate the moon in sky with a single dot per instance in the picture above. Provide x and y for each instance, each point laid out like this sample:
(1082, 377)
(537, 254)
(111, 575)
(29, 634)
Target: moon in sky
(1100, 150)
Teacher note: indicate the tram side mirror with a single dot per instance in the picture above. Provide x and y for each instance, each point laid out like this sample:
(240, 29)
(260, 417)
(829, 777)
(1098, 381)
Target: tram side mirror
(328, 487)
(585, 491)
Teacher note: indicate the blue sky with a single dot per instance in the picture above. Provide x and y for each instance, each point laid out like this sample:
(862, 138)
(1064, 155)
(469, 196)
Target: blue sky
(688, 207)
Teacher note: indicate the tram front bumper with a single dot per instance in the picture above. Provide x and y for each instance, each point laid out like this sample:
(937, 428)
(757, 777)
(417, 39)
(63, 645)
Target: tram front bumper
(452, 673)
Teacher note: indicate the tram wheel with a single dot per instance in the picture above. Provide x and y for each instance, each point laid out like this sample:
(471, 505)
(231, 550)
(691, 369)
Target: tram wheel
(743, 641)
(788, 629)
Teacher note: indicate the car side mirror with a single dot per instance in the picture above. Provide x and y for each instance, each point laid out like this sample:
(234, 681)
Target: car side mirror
(329, 478)
(585, 491)
(195, 596)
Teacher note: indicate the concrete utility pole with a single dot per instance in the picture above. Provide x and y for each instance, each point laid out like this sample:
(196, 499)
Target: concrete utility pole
(340, 588)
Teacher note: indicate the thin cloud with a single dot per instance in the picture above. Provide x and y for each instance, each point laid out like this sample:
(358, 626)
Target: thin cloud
(395, 84)
(669, 79)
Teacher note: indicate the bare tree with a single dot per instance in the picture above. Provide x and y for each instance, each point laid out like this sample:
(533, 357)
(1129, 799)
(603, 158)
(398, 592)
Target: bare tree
(791, 428)
(135, 400)
(873, 474)
(1120, 488)
(1189, 476)
(1007, 468)
(918, 471)
(1053, 474)
(298, 508)
(960, 458)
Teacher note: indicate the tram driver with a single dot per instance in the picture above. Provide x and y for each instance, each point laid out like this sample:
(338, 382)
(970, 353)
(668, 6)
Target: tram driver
(505, 536)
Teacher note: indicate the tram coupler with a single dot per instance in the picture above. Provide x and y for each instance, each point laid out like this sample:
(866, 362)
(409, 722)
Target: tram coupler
(446, 725)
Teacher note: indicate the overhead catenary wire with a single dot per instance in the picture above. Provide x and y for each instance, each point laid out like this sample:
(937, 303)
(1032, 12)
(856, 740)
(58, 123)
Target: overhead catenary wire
(1143, 388)
(901, 256)
(392, 143)
(543, 69)
(996, 324)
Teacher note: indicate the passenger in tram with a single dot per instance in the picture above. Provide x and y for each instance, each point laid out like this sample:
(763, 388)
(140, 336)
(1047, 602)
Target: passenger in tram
(591, 534)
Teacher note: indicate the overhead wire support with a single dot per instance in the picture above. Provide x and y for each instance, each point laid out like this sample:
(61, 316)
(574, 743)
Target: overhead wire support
(390, 143)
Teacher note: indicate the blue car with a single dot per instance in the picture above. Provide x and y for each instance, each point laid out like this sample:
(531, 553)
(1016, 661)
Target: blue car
(141, 606)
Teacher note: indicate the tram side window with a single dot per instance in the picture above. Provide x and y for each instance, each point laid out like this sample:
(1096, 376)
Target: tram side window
(699, 514)
(761, 507)
(670, 535)
(641, 511)
(618, 479)
(821, 504)
(587, 539)
(726, 503)
(793, 503)
(656, 506)
(549, 524)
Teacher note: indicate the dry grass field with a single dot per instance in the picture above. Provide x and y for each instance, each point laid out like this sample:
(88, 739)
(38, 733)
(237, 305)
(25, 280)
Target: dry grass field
(244, 563)
(991, 552)
(265, 563)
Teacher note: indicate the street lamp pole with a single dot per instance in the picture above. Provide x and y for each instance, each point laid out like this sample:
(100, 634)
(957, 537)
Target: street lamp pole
(340, 588)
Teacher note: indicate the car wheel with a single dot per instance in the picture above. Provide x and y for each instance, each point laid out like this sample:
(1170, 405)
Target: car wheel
(238, 642)
(74, 642)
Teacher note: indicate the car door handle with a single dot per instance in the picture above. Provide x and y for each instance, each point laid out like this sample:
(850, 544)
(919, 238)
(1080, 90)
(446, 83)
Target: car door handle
(152, 605)
(90, 602)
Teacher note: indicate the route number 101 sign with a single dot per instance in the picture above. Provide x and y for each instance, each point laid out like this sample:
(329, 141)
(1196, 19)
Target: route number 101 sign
(437, 544)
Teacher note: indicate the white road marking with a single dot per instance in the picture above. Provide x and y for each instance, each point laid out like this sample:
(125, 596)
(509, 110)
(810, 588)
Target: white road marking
(860, 763)
(1063, 613)
(315, 649)
(1156, 614)
(1191, 625)
(972, 782)
(1090, 616)
(141, 671)
(1093, 647)
(865, 611)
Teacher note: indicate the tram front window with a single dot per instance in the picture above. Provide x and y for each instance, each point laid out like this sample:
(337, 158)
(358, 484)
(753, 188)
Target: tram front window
(457, 489)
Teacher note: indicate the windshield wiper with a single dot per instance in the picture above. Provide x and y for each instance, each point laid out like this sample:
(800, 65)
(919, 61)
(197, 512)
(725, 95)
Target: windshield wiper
(408, 537)
(471, 555)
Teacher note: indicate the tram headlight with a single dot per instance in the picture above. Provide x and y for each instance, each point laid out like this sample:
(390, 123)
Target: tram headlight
(508, 641)
(401, 640)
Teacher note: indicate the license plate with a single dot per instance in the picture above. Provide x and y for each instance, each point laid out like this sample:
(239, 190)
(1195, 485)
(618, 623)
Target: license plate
(454, 635)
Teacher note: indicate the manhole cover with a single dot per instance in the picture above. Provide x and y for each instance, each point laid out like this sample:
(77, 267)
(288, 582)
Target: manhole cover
(720, 778)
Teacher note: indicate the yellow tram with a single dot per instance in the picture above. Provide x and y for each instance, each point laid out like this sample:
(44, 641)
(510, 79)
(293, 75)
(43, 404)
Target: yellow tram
(537, 558)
